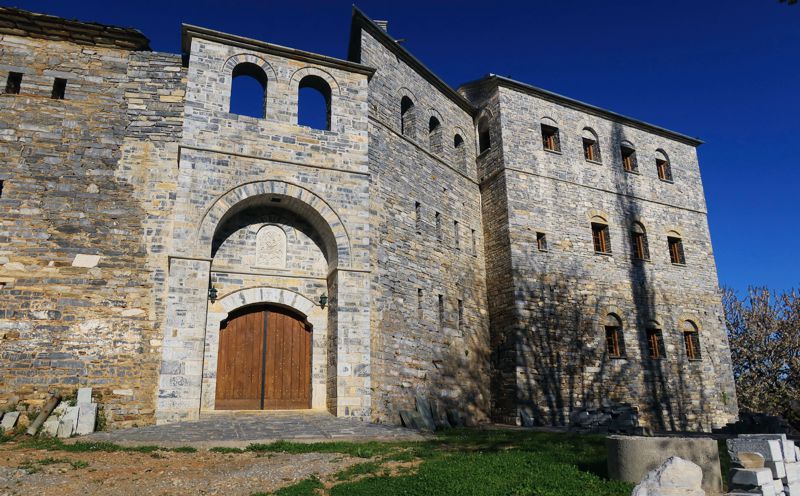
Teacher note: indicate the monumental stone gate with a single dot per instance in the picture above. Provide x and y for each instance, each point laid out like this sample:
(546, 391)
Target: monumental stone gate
(506, 251)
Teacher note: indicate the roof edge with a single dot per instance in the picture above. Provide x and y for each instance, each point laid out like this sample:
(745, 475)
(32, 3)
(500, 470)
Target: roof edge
(189, 31)
(587, 107)
(361, 20)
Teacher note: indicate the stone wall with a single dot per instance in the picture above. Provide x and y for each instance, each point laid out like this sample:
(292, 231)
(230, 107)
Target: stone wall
(427, 227)
(78, 296)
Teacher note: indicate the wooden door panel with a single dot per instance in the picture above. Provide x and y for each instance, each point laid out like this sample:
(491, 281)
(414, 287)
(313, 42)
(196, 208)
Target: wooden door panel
(288, 363)
(239, 371)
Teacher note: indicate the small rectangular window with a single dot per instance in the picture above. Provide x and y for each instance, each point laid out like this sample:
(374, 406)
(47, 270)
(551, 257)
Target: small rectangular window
(418, 217)
(676, 250)
(438, 217)
(614, 342)
(628, 158)
(2, 183)
(541, 241)
(655, 344)
(550, 138)
(460, 315)
(591, 151)
(441, 312)
(14, 83)
(691, 341)
(640, 251)
(456, 236)
(474, 243)
(59, 88)
(419, 304)
(664, 172)
(601, 238)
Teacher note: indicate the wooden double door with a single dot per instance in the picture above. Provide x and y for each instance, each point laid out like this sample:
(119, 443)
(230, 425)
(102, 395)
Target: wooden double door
(264, 361)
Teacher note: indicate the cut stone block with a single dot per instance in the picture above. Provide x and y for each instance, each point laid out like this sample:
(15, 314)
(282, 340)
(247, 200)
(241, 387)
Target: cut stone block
(69, 422)
(750, 460)
(84, 396)
(86, 261)
(787, 445)
(424, 410)
(675, 476)
(87, 417)
(792, 472)
(792, 489)
(751, 476)
(50, 426)
(9, 421)
(790, 452)
(778, 469)
(770, 449)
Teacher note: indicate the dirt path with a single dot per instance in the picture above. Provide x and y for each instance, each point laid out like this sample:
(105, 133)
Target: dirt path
(39, 472)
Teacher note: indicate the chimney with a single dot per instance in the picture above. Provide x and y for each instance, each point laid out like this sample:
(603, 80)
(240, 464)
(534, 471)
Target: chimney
(383, 25)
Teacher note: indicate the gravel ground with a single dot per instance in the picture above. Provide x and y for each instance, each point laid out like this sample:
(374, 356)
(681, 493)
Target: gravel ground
(38, 472)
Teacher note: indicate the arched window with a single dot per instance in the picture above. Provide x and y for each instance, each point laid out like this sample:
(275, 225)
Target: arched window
(628, 153)
(314, 103)
(662, 166)
(460, 152)
(639, 246)
(435, 135)
(601, 238)
(407, 117)
(615, 339)
(484, 139)
(675, 244)
(655, 341)
(591, 146)
(249, 90)
(551, 140)
(691, 340)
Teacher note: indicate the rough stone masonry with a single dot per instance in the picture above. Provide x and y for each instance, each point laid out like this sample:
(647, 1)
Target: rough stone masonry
(505, 251)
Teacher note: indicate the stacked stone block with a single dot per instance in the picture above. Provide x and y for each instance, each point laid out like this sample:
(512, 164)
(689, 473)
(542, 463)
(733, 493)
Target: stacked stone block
(764, 464)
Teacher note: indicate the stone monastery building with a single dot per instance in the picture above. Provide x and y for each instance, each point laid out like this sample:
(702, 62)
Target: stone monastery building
(507, 251)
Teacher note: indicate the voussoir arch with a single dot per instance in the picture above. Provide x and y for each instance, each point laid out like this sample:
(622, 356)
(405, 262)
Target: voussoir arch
(266, 295)
(233, 61)
(316, 211)
(299, 74)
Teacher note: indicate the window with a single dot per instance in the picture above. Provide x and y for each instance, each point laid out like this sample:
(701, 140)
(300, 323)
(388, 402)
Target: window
(615, 340)
(441, 312)
(676, 250)
(2, 183)
(628, 158)
(59, 89)
(691, 340)
(550, 139)
(249, 90)
(541, 241)
(655, 344)
(438, 217)
(460, 315)
(419, 304)
(639, 242)
(406, 117)
(460, 152)
(474, 242)
(662, 166)
(484, 139)
(435, 135)
(456, 236)
(314, 103)
(601, 238)
(13, 83)
(418, 217)
(591, 148)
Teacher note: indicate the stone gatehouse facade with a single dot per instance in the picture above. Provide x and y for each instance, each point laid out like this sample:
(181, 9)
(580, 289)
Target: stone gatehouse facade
(507, 251)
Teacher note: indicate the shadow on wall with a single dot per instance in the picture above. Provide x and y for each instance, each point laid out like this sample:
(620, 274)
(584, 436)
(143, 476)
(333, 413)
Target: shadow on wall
(562, 355)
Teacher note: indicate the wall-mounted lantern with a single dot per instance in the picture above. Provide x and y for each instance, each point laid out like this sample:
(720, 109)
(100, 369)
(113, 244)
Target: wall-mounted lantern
(212, 293)
(323, 300)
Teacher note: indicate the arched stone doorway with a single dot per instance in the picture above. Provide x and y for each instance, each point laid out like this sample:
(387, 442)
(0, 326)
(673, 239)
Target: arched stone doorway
(267, 242)
(263, 360)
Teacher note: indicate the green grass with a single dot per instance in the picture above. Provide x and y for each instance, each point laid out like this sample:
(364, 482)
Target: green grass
(359, 450)
(54, 444)
(222, 449)
(475, 462)
(303, 488)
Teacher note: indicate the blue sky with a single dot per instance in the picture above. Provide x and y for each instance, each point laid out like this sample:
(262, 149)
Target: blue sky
(727, 72)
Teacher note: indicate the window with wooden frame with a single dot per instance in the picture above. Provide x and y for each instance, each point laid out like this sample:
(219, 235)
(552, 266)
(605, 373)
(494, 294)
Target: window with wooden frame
(676, 255)
(639, 242)
(615, 339)
(14, 83)
(591, 147)
(541, 241)
(691, 340)
(601, 237)
(655, 344)
(628, 158)
(550, 139)
(662, 166)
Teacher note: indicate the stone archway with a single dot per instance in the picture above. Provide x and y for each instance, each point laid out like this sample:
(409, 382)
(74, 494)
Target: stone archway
(315, 316)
